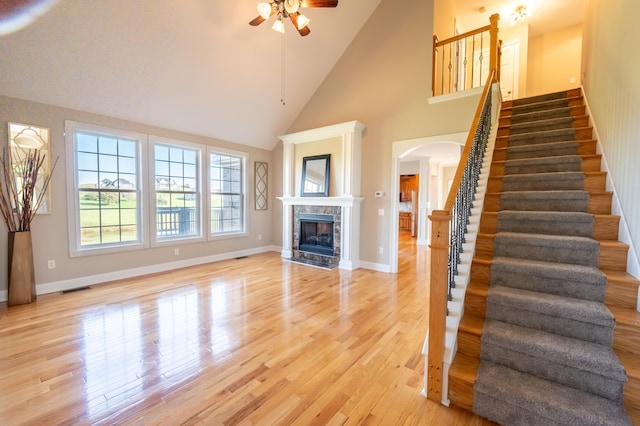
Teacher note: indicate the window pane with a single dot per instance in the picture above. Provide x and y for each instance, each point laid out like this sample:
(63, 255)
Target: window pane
(107, 178)
(177, 207)
(86, 142)
(226, 184)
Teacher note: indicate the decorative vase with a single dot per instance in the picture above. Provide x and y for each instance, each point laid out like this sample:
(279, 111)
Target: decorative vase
(22, 279)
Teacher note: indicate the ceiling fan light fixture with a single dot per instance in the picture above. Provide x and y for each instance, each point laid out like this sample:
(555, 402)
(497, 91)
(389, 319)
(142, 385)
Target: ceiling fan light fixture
(291, 6)
(278, 26)
(303, 21)
(264, 9)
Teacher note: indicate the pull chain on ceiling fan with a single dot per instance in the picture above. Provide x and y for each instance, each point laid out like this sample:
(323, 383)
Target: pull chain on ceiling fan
(284, 9)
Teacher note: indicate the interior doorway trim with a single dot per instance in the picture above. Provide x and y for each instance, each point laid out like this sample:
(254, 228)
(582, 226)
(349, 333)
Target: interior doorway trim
(399, 150)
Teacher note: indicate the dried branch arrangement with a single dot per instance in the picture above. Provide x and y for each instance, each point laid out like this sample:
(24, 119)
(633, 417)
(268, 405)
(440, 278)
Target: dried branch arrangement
(20, 193)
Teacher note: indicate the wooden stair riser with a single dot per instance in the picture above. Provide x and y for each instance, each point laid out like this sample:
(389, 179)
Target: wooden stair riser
(584, 148)
(574, 111)
(576, 123)
(620, 294)
(468, 343)
(475, 300)
(613, 255)
(625, 338)
(462, 375)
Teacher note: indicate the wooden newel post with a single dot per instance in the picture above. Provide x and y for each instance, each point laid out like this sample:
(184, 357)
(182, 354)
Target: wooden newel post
(493, 54)
(437, 301)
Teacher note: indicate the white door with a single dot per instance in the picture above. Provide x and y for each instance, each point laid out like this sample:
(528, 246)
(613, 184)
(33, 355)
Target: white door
(509, 68)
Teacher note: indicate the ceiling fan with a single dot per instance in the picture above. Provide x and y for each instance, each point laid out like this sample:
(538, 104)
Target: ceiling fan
(284, 9)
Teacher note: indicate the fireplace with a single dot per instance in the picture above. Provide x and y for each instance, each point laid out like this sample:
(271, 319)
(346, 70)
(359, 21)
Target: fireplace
(316, 234)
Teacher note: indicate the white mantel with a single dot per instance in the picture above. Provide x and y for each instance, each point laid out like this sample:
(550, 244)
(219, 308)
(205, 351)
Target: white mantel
(349, 198)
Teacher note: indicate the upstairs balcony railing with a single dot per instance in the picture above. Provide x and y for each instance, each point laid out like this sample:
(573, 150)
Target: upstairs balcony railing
(463, 62)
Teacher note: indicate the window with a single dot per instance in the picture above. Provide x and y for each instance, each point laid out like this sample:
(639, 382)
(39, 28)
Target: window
(131, 191)
(227, 189)
(176, 183)
(105, 201)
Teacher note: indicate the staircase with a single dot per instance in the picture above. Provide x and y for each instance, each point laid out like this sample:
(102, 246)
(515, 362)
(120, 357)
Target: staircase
(550, 333)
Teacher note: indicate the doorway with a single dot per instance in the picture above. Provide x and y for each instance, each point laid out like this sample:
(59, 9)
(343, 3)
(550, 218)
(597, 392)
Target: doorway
(433, 155)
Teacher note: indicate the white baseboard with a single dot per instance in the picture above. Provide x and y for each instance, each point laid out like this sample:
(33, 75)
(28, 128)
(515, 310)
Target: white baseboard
(70, 284)
(379, 267)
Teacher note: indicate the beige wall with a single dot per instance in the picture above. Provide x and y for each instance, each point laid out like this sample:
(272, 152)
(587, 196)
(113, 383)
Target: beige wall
(554, 59)
(444, 22)
(610, 67)
(50, 232)
(383, 80)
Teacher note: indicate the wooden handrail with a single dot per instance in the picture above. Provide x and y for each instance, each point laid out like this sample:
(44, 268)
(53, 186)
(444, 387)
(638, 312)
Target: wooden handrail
(455, 184)
(462, 36)
(438, 280)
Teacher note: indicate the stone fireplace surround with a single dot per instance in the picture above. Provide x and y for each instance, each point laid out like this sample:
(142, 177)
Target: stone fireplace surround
(347, 203)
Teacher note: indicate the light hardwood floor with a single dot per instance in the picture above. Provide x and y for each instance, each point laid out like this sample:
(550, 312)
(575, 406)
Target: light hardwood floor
(244, 341)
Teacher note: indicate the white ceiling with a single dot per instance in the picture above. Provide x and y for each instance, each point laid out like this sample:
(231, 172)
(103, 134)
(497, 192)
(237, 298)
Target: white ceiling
(189, 65)
(546, 15)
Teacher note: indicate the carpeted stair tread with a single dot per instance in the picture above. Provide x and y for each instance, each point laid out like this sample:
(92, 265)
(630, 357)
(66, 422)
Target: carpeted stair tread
(576, 318)
(511, 397)
(548, 164)
(547, 248)
(543, 150)
(542, 99)
(523, 108)
(577, 281)
(571, 362)
(575, 201)
(546, 222)
(539, 125)
(540, 115)
(542, 137)
(544, 181)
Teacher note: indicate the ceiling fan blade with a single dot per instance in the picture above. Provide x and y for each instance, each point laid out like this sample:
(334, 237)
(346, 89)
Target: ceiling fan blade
(257, 21)
(319, 3)
(304, 31)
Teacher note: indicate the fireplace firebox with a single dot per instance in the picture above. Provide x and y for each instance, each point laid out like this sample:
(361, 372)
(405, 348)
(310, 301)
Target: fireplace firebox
(316, 234)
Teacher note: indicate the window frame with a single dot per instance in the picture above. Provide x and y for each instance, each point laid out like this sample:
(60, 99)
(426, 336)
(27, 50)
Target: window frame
(244, 160)
(153, 217)
(72, 128)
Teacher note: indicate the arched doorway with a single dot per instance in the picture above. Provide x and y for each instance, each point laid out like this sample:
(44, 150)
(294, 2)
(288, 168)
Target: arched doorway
(434, 157)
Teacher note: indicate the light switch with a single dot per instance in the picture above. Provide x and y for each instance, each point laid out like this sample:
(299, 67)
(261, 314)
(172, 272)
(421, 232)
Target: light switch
(380, 212)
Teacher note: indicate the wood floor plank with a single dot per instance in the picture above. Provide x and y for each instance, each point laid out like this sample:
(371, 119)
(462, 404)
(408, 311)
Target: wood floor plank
(255, 341)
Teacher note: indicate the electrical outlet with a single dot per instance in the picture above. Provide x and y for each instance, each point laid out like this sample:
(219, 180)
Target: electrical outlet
(259, 236)
(380, 212)
(176, 252)
(51, 264)
(381, 250)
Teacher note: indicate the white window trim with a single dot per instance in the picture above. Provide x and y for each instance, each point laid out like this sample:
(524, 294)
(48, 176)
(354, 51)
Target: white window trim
(245, 208)
(73, 207)
(160, 242)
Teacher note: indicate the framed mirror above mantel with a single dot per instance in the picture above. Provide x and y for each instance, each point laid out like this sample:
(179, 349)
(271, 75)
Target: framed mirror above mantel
(315, 176)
